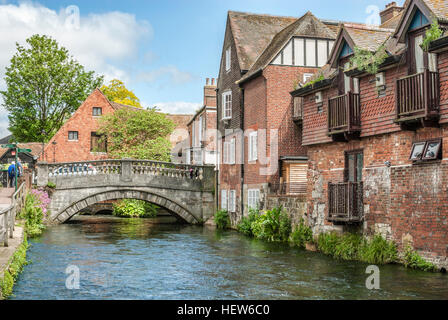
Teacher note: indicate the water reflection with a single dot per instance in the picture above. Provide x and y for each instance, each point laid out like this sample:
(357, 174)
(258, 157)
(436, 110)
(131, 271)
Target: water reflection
(135, 259)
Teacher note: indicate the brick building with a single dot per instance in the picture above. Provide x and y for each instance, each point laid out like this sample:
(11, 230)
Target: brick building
(377, 143)
(264, 58)
(201, 148)
(77, 139)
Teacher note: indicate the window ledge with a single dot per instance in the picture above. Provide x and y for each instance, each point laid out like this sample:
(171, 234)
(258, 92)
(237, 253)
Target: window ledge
(98, 153)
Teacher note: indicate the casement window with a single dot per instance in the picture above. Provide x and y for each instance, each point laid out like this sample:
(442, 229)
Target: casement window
(73, 135)
(232, 201)
(197, 156)
(253, 146)
(97, 143)
(96, 111)
(188, 156)
(229, 152)
(426, 150)
(354, 163)
(228, 59)
(224, 199)
(304, 52)
(253, 198)
(227, 105)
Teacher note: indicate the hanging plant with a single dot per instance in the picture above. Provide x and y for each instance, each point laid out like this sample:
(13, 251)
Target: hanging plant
(367, 61)
(433, 33)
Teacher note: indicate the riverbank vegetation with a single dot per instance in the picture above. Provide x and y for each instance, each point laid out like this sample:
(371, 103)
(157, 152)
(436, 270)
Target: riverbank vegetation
(222, 219)
(275, 225)
(34, 212)
(132, 208)
(18, 261)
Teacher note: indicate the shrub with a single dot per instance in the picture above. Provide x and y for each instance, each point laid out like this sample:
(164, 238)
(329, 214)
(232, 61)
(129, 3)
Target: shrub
(222, 219)
(379, 251)
(273, 225)
(349, 246)
(131, 208)
(245, 226)
(326, 243)
(301, 235)
(411, 259)
(33, 213)
(433, 33)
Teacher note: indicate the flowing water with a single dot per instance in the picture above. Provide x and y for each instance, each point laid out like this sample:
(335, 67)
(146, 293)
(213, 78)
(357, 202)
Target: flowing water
(136, 259)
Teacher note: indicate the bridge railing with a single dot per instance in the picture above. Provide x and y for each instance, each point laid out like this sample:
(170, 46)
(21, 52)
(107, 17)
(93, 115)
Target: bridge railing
(125, 167)
(8, 215)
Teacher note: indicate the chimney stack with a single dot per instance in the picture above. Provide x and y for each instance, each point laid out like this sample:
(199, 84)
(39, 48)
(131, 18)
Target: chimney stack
(210, 93)
(392, 10)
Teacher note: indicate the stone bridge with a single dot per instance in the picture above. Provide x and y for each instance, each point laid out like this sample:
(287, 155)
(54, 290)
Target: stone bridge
(186, 191)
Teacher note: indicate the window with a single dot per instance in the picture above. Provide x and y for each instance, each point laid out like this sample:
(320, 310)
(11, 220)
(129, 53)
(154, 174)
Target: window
(224, 199)
(253, 141)
(97, 111)
(73, 135)
(427, 150)
(306, 77)
(197, 156)
(201, 138)
(229, 152)
(97, 143)
(227, 105)
(354, 162)
(232, 201)
(253, 198)
(228, 59)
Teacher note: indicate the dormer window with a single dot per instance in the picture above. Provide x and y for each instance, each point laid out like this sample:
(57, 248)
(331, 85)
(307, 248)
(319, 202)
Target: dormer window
(97, 111)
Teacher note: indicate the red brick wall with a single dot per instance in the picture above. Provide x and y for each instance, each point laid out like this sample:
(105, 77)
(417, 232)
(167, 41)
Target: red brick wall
(408, 198)
(83, 122)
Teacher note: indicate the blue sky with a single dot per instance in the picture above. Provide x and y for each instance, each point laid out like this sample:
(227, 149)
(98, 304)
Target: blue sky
(163, 50)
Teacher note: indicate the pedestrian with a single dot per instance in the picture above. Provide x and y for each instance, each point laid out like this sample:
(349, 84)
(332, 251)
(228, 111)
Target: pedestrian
(12, 173)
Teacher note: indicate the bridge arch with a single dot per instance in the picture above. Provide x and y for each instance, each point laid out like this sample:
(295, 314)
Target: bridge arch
(119, 194)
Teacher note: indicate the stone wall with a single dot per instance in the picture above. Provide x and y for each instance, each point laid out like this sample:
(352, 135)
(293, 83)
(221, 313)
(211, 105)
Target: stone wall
(295, 206)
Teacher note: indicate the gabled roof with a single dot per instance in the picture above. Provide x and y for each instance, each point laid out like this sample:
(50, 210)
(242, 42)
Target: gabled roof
(36, 149)
(253, 32)
(307, 25)
(431, 9)
(362, 36)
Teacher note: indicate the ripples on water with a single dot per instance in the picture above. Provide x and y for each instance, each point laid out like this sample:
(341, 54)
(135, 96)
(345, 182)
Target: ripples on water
(134, 259)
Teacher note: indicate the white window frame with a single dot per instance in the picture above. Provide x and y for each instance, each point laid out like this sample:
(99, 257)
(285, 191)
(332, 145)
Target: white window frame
(200, 129)
(253, 146)
(224, 199)
(253, 198)
(232, 201)
(228, 59)
(228, 152)
(232, 148)
(307, 76)
(227, 105)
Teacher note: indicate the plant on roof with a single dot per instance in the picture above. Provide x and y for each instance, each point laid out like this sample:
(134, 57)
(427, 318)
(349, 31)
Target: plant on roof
(433, 33)
(367, 61)
(319, 78)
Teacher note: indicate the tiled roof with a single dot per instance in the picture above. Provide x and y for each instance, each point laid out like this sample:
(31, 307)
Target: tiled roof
(118, 106)
(367, 37)
(393, 22)
(253, 32)
(5, 139)
(307, 25)
(439, 8)
(36, 148)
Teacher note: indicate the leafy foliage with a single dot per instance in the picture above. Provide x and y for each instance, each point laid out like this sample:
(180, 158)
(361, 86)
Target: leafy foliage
(327, 242)
(272, 225)
(44, 86)
(18, 261)
(245, 226)
(117, 92)
(301, 235)
(131, 208)
(411, 259)
(378, 251)
(33, 213)
(433, 33)
(138, 134)
(222, 219)
(364, 60)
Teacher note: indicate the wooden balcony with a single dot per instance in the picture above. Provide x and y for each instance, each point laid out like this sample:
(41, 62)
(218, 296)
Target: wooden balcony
(418, 98)
(344, 115)
(297, 110)
(345, 202)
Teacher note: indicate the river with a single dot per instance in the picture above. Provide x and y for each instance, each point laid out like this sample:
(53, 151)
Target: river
(136, 259)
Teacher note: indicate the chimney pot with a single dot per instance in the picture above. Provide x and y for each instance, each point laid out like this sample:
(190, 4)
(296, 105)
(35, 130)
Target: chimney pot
(213, 81)
(206, 81)
(391, 10)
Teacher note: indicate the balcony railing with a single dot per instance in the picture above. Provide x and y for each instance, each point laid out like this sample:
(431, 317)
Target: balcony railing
(345, 202)
(290, 189)
(344, 114)
(297, 110)
(418, 96)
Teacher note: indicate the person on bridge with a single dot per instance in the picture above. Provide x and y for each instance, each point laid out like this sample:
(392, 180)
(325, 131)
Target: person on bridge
(12, 173)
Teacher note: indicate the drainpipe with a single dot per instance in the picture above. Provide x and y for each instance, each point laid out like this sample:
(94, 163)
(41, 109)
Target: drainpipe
(242, 153)
(217, 166)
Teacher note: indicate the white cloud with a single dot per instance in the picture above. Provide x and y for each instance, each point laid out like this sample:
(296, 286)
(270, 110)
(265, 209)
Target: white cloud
(177, 107)
(170, 73)
(97, 41)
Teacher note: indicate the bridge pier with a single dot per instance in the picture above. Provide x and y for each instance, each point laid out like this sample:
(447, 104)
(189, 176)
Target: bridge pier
(186, 191)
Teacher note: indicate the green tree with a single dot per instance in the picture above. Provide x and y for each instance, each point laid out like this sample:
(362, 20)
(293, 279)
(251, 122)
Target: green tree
(117, 92)
(44, 86)
(137, 134)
